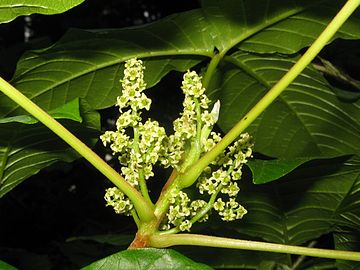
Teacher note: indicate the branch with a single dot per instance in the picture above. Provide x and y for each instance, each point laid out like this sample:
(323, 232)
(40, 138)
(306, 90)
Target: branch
(162, 241)
(143, 209)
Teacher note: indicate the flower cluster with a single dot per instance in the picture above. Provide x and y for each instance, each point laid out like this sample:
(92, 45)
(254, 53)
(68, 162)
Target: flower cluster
(218, 185)
(219, 179)
(230, 210)
(182, 209)
(193, 123)
(137, 155)
(224, 179)
(133, 85)
(116, 199)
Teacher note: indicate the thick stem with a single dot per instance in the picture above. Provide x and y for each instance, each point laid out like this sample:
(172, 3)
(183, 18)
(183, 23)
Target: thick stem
(193, 173)
(300, 260)
(211, 69)
(162, 203)
(143, 209)
(162, 241)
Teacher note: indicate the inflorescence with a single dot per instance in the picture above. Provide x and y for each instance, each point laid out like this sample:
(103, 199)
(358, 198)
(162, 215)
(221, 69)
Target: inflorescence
(193, 136)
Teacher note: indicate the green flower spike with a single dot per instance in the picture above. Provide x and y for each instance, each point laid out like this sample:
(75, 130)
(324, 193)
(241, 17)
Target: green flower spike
(137, 155)
(193, 136)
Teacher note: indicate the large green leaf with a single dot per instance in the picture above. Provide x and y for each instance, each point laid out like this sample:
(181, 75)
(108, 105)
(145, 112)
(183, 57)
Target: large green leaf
(283, 26)
(10, 9)
(306, 120)
(147, 259)
(347, 240)
(87, 64)
(27, 148)
(306, 204)
(70, 110)
(267, 26)
(265, 171)
(5, 266)
(349, 210)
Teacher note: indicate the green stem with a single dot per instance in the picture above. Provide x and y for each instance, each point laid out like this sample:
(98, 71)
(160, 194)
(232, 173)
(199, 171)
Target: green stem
(162, 241)
(162, 204)
(198, 120)
(193, 154)
(206, 209)
(193, 173)
(135, 217)
(211, 69)
(300, 260)
(142, 181)
(142, 207)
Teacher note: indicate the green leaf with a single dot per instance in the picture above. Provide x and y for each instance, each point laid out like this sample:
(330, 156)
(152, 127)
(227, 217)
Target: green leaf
(25, 259)
(88, 64)
(347, 240)
(147, 259)
(283, 26)
(346, 94)
(10, 9)
(318, 264)
(301, 122)
(5, 266)
(265, 171)
(349, 210)
(26, 149)
(309, 202)
(348, 88)
(70, 110)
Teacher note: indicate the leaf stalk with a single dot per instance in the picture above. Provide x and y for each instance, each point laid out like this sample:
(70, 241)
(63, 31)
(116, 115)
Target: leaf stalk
(162, 241)
(143, 209)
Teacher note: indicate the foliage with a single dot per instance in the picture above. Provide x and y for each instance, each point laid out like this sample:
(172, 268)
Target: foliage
(10, 9)
(5, 266)
(307, 140)
(147, 259)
